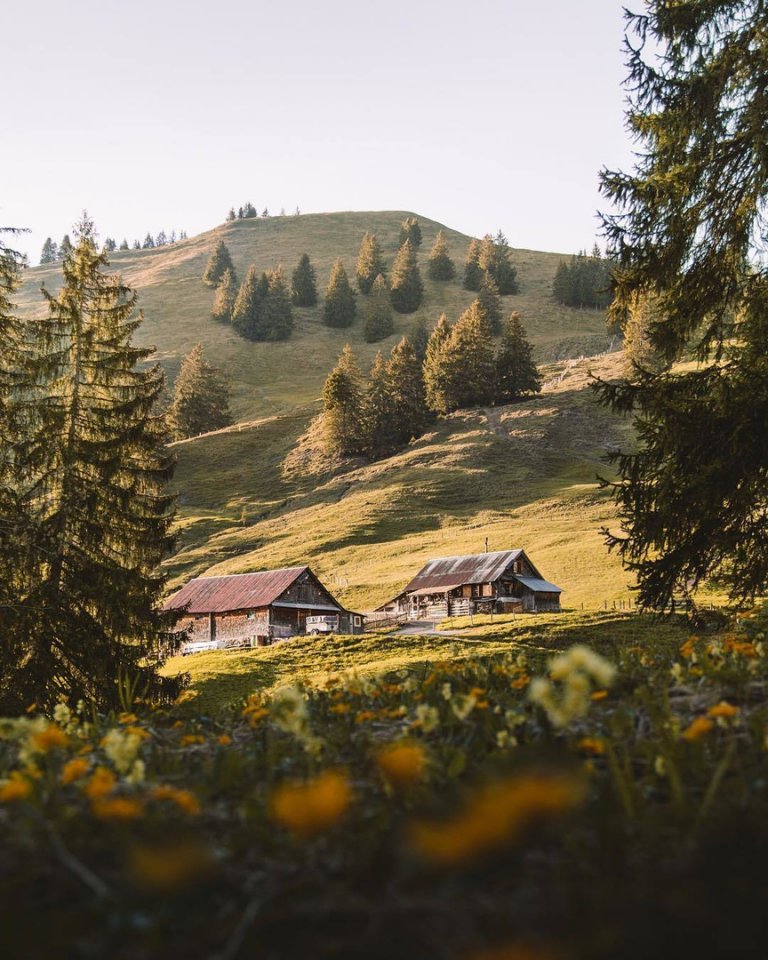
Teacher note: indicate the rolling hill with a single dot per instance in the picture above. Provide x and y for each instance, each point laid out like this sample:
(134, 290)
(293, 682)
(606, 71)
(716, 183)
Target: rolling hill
(261, 494)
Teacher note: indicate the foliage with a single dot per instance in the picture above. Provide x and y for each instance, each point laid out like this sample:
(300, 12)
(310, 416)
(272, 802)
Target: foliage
(410, 230)
(218, 263)
(473, 272)
(339, 308)
(343, 406)
(688, 231)
(200, 397)
(378, 428)
(516, 372)
(436, 373)
(643, 315)
(489, 304)
(370, 263)
(50, 252)
(65, 247)
(248, 310)
(585, 281)
(378, 322)
(405, 287)
(304, 283)
(419, 337)
(224, 301)
(406, 387)
(277, 315)
(468, 367)
(495, 258)
(439, 265)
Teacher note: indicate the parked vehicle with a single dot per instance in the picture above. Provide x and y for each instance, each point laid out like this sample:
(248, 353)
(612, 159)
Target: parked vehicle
(323, 624)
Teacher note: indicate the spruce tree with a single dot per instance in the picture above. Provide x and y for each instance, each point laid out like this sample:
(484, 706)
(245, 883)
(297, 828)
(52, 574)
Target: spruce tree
(436, 372)
(370, 263)
(65, 247)
(277, 315)
(94, 512)
(343, 430)
(410, 230)
(124, 244)
(419, 337)
(218, 263)
(516, 373)
(378, 322)
(473, 273)
(469, 362)
(304, 283)
(149, 242)
(49, 253)
(231, 215)
(489, 303)
(406, 388)
(561, 285)
(496, 260)
(377, 420)
(440, 266)
(200, 397)
(405, 288)
(224, 302)
(339, 309)
(248, 310)
(109, 245)
(644, 316)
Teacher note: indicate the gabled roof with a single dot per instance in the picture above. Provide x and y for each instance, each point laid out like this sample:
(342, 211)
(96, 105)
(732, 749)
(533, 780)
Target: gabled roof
(242, 591)
(445, 572)
(538, 586)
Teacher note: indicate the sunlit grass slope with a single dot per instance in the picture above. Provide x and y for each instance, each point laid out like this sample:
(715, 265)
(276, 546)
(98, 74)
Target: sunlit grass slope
(275, 377)
(522, 476)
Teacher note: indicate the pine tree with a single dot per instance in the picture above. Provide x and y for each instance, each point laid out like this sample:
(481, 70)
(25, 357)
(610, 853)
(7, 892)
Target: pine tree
(370, 263)
(65, 247)
(94, 513)
(489, 303)
(224, 302)
(496, 259)
(406, 387)
(49, 253)
(406, 289)
(378, 322)
(339, 309)
(440, 266)
(124, 244)
(469, 362)
(410, 230)
(436, 372)
(231, 215)
(161, 240)
(644, 316)
(248, 310)
(149, 242)
(473, 273)
(109, 245)
(516, 373)
(277, 315)
(304, 283)
(377, 420)
(218, 263)
(561, 285)
(419, 337)
(265, 212)
(136, 245)
(200, 397)
(343, 429)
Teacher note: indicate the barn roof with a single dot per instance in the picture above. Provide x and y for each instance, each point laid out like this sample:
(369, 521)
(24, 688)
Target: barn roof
(538, 586)
(445, 572)
(242, 591)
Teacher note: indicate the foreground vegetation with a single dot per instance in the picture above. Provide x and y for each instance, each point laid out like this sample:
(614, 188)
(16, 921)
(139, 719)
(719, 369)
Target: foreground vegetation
(529, 796)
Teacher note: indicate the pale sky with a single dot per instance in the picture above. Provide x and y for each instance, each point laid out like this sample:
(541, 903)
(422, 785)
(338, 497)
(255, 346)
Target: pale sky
(159, 115)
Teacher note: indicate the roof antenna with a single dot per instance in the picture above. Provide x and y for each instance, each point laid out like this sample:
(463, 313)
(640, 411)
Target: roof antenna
(486, 544)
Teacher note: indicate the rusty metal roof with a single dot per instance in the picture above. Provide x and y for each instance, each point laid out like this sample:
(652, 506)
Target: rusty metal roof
(455, 571)
(538, 586)
(242, 591)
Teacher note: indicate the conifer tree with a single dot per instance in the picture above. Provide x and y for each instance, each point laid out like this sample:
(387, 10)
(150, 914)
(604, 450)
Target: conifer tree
(124, 244)
(137, 245)
(304, 283)
(496, 260)
(378, 322)
(419, 337)
(218, 263)
(339, 309)
(406, 389)
(49, 253)
(149, 242)
(343, 429)
(469, 362)
(473, 273)
(248, 310)
(410, 230)
(440, 266)
(405, 288)
(109, 245)
(370, 263)
(200, 397)
(516, 373)
(277, 315)
(65, 247)
(94, 512)
(231, 215)
(489, 303)
(561, 285)
(377, 420)
(224, 301)
(643, 316)
(436, 372)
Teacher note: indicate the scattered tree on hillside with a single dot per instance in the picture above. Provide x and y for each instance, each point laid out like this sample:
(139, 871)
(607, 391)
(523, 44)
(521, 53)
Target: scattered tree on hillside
(247, 311)
(224, 302)
(149, 242)
(473, 273)
(516, 373)
(584, 281)
(304, 283)
(137, 245)
(405, 287)
(436, 374)
(378, 433)
(277, 320)
(339, 309)
(406, 386)
(50, 252)
(109, 245)
(231, 215)
(489, 303)
(218, 263)
(496, 260)
(370, 263)
(378, 322)
(123, 244)
(440, 266)
(65, 247)
(200, 397)
(410, 230)
(343, 407)
(93, 515)
(419, 337)
(265, 212)
(643, 315)
(468, 363)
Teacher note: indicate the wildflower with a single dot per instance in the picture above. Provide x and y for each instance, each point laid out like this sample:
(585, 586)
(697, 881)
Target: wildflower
(498, 813)
(122, 747)
(312, 807)
(137, 772)
(185, 696)
(101, 783)
(52, 737)
(127, 718)
(224, 739)
(660, 766)
(169, 867)
(591, 745)
(62, 715)
(505, 739)
(699, 727)
(16, 787)
(575, 670)
(365, 716)
(676, 672)
(289, 711)
(446, 691)
(688, 649)
(191, 740)
(402, 763)
(521, 681)
(463, 704)
(599, 695)
(427, 718)
(74, 769)
(723, 710)
(185, 800)
(118, 809)
(340, 708)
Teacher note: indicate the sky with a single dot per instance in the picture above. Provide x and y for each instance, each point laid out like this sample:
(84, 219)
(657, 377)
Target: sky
(483, 115)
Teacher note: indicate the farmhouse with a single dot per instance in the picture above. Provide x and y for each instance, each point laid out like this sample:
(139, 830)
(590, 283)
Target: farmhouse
(254, 609)
(503, 581)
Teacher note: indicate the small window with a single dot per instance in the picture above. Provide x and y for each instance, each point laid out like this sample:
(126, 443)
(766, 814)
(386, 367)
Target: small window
(358, 621)
(251, 615)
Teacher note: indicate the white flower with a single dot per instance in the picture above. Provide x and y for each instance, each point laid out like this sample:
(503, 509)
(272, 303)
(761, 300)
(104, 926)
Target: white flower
(122, 748)
(463, 704)
(505, 739)
(427, 717)
(446, 691)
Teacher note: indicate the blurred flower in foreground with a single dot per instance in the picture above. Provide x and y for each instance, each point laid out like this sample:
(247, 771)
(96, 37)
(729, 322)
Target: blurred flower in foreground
(497, 813)
(168, 867)
(16, 787)
(567, 694)
(402, 763)
(311, 807)
(515, 951)
(697, 728)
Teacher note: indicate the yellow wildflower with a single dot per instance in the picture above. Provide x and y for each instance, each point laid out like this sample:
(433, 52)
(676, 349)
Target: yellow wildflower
(402, 763)
(591, 745)
(225, 739)
(365, 716)
(699, 727)
(724, 710)
(185, 800)
(522, 681)
(117, 809)
(127, 718)
(191, 739)
(169, 867)
(599, 695)
(340, 708)
(52, 737)
(101, 783)
(16, 787)
(74, 769)
(311, 807)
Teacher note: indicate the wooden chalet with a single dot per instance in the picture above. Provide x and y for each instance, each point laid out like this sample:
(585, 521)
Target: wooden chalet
(503, 582)
(255, 609)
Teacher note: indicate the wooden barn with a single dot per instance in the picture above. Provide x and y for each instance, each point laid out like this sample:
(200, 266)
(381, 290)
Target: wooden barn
(502, 582)
(255, 609)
